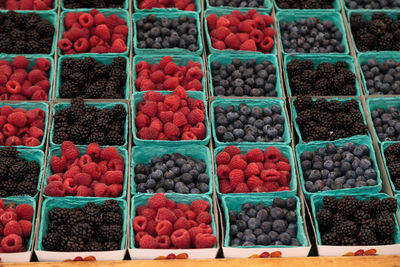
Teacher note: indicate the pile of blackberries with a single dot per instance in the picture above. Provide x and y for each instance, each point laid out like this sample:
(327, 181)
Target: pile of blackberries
(392, 156)
(382, 78)
(325, 80)
(238, 3)
(328, 120)
(261, 225)
(25, 33)
(88, 124)
(387, 123)
(333, 168)
(244, 78)
(91, 228)
(351, 222)
(381, 33)
(311, 35)
(245, 124)
(158, 33)
(172, 173)
(372, 4)
(72, 4)
(89, 78)
(304, 4)
(18, 176)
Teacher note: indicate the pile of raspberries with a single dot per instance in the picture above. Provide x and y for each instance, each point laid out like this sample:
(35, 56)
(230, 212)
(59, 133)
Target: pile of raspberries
(98, 173)
(186, 5)
(238, 31)
(167, 75)
(27, 4)
(171, 117)
(93, 33)
(20, 127)
(18, 83)
(256, 171)
(15, 226)
(72, 4)
(164, 224)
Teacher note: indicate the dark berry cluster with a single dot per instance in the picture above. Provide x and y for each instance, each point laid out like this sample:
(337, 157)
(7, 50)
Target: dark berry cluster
(382, 78)
(172, 173)
(93, 3)
(387, 123)
(262, 225)
(333, 168)
(89, 78)
(91, 228)
(158, 33)
(328, 120)
(392, 156)
(238, 3)
(245, 124)
(372, 4)
(351, 222)
(304, 4)
(88, 124)
(18, 176)
(378, 34)
(311, 35)
(325, 80)
(244, 78)
(25, 33)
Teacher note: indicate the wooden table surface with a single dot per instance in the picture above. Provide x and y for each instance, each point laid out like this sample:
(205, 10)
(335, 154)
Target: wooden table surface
(364, 261)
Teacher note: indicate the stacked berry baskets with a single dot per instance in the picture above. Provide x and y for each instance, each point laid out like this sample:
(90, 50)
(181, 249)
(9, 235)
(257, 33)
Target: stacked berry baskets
(190, 129)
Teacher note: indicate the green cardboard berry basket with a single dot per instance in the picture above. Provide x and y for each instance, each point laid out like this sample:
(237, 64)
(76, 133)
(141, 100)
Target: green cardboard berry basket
(359, 140)
(318, 59)
(224, 11)
(167, 51)
(103, 58)
(317, 202)
(138, 97)
(380, 57)
(143, 155)
(267, 7)
(286, 151)
(226, 59)
(29, 106)
(136, 8)
(49, 15)
(251, 103)
(140, 200)
(334, 17)
(56, 151)
(335, 3)
(32, 62)
(297, 128)
(383, 147)
(230, 202)
(385, 103)
(63, 8)
(109, 105)
(366, 14)
(177, 59)
(51, 203)
(121, 13)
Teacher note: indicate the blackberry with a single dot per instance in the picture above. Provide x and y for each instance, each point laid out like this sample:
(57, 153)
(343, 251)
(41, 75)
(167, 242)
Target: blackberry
(45, 28)
(338, 219)
(51, 242)
(75, 243)
(17, 171)
(388, 204)
(367, 237)
(294, 67)
(83, 230)
(385, 226)
(341, 65)
(63, 230)
(110, 205)
(97, 137)
(95, 90)
(361, 215)
(33, 168)
(108, 246)
(59, 215)
(326, 70)
(393, 149)
(8, 152)
(114, 138)
(386, 241)
(330, 203)
(10, 187)
(69, 89)
(358, 129)
(26, 188)
(329, 239)
(302, 103)
(351, 104)
(60, 137)
(348, 241)
(321, 104)
(370, 205)
(324, 218)
(76, 216)
(322, 85)
(110, 218)
(110, 233)
(94, 246)
(119, 112)
(348, 205)
(368, 224)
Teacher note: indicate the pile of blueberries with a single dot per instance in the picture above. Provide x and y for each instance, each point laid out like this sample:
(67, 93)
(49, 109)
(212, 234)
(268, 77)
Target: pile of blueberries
(249, 124)
(158, 33)
(387, 123)
(372, 4)
(262, 225)
(382, 78)
(244, 78)
(332, 168)
(238, 3)
(311, 35)
(172, 173)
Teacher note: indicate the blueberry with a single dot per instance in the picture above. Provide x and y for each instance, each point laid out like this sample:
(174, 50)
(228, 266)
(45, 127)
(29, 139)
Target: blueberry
(291, 217)
(263, 240)
(250, 238)
(291, 203)
(203, 178)
(273, 236)
(141, 188)
(204, 188)
(266, 226)
(181, 188)
(294, 242)
(236, 242)
(242, 225)
(252, 212)
(279, 202)
(262, 214)
(253, 223)
(370, 174)
(277, 213)
(292, 229)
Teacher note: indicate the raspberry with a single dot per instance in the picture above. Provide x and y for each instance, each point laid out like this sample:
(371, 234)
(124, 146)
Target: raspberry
(270, 175)
(249, 45)
(26, 5)
(114, 177)
(24, 212)
(204, 217)
(195, 116)
(11, 243)
(121, 29)
(255, 155)
(180, 91)
(2, 203)
(171, 131)
(82, 179)
(13, 87)
(164, 227)
(70, 186)
(223, 158)
(251, 169)
(163, 242)
(156, 124)
(170, 204)
(55, 189)
(157, 201)
(110, 153)
(212, 21)
(26, 228)
(165, 214)
(271, 186)
(69, 150)
(283, 166)
(150, 214)
(190, 215)
(20, 62)
(200, 205)
(139, 224)
(149, 108)
(84, 191)
(241, 188)
(181, 239)
(225, 187)
(272, 154)
(199, 130)
(232, 150)
(170, 68)
(115, 190)
(171, 83)
(205, 240)
(139, 236)
(157, 76)
(12, 227)
(148, 242)
(81, 45)
(194, 85)
(35, 132)
(58, 164)
(118, 46)
(235, 177)
(147, 133)
(103, 32)
(188, 136)
(237, 163)
(166, 116)
(254, 182)
(269, 165)
(284, 178)
(179, 119)
(93, 150)
(153, 96)
(142, 120)
(172, 102)
(181, 223)
(267, 44)
(267, 19)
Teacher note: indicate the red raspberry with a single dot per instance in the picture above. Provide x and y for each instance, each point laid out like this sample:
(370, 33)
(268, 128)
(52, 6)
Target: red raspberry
(82, 179)
(69, 185)
(232, 150)
(147, 133)
(204, 217)
(140, 224)
(180, 91)
(55, 189)
(232, 41)
(11, 243)
(121, 29)
(110, 153)
(148, 242)
(118, 46)
(270, 175)
(26, 228)
(212, 21)
(182, 206)
(8, 216)
(255, 155)
(164, 227)
(269, 165)
(199, 130)
(166, 116)
(254, 182)
(156, 124)
(69, 150)
(139, 236)
(172, 102)
(200, 205)
(157, 201)
(171, 68)
(84, 191)
(140, 209)
(283, 166)
(35, 132)
(171, 83)
(223, 171)
(114, 177)
(194, 85)
(20, 62)
(165, 214)
(251, 169)
(249, 45)
(267, 44)
(223, 158)
(157, 76)
(151, 227)
(271, 186)
(269, 32)
(195, 116)
(12, 227)
(284, 178)
(149, 108)
(179, 119)
(272, 154)
(163, 242)
(241, 188)
(93, 150)
(181, 223)
(26, 5)
(267, 19)
(237, 163)
(236, 176)
(190, 215)
(103, 32)
(81, 45)
(188, 136)
(24, 212)
(115, 190)
(205, 240)
(171, 131)
(58, 164)
(150, 214)
(225, 186)
(164, 61)
(153, 96)
(283, 188)
(142, 120)
(181, 239)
